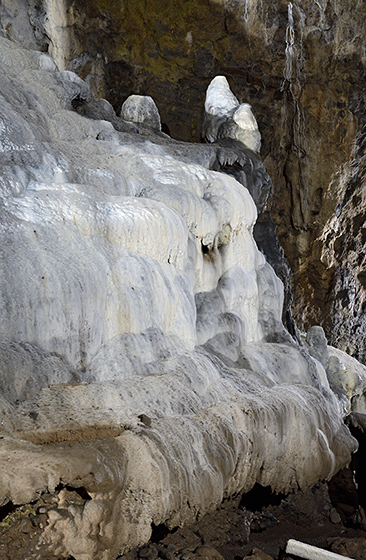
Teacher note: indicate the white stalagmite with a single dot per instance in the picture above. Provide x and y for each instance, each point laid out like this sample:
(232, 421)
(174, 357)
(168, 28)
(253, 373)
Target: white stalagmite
(219, 97)
(225, 117)
(142, 354)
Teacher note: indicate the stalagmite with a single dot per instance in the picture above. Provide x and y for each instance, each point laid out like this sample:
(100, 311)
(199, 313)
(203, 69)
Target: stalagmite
(141, 109)
(225, 117)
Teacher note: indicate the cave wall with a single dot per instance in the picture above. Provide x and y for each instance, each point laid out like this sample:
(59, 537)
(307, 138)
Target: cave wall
(301, 65)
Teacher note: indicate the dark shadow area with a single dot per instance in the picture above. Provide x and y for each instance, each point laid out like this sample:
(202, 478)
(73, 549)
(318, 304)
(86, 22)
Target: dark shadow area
(81, 491)
(6, 509)
(159, 532)
(260, 497)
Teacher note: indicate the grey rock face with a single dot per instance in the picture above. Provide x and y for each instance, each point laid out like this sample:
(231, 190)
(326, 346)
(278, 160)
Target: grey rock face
(141, 109)
(24, 20)
(318, 347)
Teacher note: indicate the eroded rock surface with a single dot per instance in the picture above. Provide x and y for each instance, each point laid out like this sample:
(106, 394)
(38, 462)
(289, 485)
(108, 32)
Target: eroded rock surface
(301, 65)
(148, 374)
(333, 269)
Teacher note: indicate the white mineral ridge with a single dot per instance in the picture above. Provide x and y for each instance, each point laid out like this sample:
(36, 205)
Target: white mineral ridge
(138, 353)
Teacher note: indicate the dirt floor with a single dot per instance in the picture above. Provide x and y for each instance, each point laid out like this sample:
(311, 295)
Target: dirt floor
(326, 516)
(259, 524)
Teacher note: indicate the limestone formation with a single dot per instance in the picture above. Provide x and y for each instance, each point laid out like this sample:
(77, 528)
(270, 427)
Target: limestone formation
(145, 371)
(304, 60)
(343, 375)
(225, 117)
(300, 65)
(317, 343)
(141, 109)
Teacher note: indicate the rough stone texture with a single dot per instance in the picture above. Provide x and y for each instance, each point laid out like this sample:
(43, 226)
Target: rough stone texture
(141, 109)
(301, 67)
(24, 20)
(261, 520)
(153, 374)
(258, 554)
(332, 273)
(352, 548)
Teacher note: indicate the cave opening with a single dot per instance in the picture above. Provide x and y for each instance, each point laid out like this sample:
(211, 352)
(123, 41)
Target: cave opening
(260, 497)
(159, 532)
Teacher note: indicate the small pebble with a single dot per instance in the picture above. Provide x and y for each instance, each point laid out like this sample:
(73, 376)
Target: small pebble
(334, 516)
(167, 554)
(35, 519)
(144, 552)
(25, 526)
(145, 419)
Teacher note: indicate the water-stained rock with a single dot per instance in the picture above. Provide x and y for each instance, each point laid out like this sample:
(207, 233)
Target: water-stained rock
(128, 265)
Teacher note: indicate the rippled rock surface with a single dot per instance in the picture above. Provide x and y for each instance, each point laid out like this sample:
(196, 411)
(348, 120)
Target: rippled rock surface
(145, 371)
(300, 64)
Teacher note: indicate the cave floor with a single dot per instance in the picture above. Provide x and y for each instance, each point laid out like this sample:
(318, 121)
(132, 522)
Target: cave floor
(326, 516)
(235, 530)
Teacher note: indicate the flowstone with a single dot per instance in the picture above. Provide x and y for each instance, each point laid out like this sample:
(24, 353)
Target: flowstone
(146, 374)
